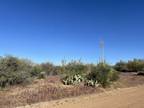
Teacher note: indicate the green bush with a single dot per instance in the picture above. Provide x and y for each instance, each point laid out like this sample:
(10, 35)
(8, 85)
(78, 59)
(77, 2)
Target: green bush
(49, 68)
(103, 74)
(113, 75)
(134, 65)
(74, 68)
(14, 71)
(36, 70)
(74, 72)
(121, 66)
(17, 71)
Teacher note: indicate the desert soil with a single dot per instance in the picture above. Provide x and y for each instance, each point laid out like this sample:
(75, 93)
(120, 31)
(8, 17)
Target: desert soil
(132, 97)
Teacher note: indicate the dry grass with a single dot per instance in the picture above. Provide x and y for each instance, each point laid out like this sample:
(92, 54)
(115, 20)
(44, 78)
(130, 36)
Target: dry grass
(40, 91)
(53, 89)
(130, 80)
(132, 97)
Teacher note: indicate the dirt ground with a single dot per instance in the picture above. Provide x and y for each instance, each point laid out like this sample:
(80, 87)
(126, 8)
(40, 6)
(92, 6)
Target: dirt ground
(132, 97)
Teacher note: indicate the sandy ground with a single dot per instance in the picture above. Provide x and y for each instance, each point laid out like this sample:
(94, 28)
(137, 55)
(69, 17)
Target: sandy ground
(132, 97)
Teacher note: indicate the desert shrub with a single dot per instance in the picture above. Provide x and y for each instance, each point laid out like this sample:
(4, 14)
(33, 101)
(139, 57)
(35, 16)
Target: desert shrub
(74, 72)
(121, 66)
(74, 68)
(134, 65)
(102, 74)
(46, 68)
(49, 68)
(14, 70)
(58, 70)
(114, 75)
(36, 70)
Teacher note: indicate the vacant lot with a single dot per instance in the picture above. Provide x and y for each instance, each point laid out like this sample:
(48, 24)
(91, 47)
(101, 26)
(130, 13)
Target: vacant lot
(123, 98)
(52, 89)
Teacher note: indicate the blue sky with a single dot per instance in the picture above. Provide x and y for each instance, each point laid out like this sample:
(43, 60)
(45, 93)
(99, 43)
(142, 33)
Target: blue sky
(51, 30)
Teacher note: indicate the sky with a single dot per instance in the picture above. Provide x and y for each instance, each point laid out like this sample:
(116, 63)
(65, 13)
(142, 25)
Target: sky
(53, 30)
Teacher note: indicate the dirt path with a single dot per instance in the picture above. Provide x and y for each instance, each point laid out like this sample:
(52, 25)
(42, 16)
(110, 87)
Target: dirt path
(121, 98)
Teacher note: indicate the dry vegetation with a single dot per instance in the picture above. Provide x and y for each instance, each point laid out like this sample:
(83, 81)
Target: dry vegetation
(132, 97)
(44, 90)
(23, 82)
(52, 89)
(130, 80)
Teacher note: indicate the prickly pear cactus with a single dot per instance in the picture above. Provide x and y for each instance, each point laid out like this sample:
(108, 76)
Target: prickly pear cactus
(71, 80)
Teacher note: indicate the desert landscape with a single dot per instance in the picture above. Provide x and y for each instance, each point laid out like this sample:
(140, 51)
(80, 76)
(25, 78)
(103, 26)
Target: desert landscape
(49, 93)
(71, 53)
